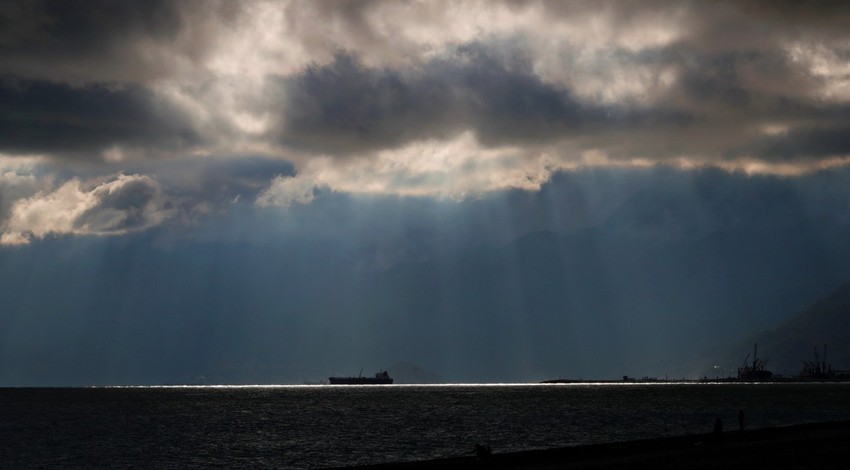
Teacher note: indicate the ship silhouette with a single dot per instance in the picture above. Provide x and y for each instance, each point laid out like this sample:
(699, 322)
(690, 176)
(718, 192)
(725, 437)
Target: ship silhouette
(380, 378)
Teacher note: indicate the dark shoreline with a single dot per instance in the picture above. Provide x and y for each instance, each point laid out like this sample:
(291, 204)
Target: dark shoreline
(727, 380)
(817, 445)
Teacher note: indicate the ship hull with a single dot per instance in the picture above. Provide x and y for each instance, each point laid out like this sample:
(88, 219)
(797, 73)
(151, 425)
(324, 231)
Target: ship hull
(359, 381)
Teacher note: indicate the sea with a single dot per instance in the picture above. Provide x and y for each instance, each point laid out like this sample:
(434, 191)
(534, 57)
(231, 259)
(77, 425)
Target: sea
(333, 426)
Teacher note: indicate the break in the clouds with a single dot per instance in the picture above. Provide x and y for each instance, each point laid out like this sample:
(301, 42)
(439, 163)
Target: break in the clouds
(413, 98)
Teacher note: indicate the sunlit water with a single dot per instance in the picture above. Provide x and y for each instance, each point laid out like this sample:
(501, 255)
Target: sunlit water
(321, 426)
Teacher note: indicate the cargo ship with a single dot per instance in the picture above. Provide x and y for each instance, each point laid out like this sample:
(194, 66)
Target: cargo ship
(380, 378)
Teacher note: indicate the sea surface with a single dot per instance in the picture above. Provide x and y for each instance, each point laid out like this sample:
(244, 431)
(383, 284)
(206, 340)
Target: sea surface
(326, 426)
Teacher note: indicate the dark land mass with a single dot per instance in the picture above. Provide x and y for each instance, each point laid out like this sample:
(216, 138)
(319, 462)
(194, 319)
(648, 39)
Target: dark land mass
(820, 445)
(789, 344)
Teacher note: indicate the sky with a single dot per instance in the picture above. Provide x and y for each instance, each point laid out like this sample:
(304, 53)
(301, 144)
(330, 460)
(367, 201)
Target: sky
(274, 191)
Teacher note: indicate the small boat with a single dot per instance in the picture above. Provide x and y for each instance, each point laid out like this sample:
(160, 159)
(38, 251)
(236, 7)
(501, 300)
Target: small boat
(380, 378)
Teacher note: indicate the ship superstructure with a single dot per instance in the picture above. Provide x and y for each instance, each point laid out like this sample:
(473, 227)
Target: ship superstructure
(380, 378)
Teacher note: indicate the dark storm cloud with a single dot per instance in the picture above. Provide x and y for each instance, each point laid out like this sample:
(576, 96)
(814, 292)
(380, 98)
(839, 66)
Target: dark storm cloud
(821, 13)
(802, 142)
(77, 77)
(503, 102)
(735, 69)
(733, 93)
(347, 107)
(515, 90)
(546, 77)
(104, 40)
(82, 121)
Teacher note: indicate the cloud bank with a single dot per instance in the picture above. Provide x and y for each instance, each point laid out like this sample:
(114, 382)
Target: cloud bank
(432, 99)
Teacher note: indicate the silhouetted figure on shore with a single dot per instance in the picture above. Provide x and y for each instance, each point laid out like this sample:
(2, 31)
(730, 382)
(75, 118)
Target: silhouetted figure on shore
(742, 421)
(718, 430)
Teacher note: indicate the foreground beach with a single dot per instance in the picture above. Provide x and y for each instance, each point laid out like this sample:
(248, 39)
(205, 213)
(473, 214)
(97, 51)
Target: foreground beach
(819, 445)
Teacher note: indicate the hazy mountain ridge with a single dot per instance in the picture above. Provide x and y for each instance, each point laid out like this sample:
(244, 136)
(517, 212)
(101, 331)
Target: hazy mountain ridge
(786, 346)
(597, 303)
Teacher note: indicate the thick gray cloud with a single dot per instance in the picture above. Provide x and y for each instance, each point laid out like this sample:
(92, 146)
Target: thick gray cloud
(701, 80)
(346, 107)
(106, 41)
(79, 78)
(83, 122)
(804, 142)
(431, 99)
(723, 99)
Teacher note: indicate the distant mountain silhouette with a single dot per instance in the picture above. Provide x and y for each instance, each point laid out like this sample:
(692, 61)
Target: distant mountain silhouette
(671, 277)
(827, 321)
